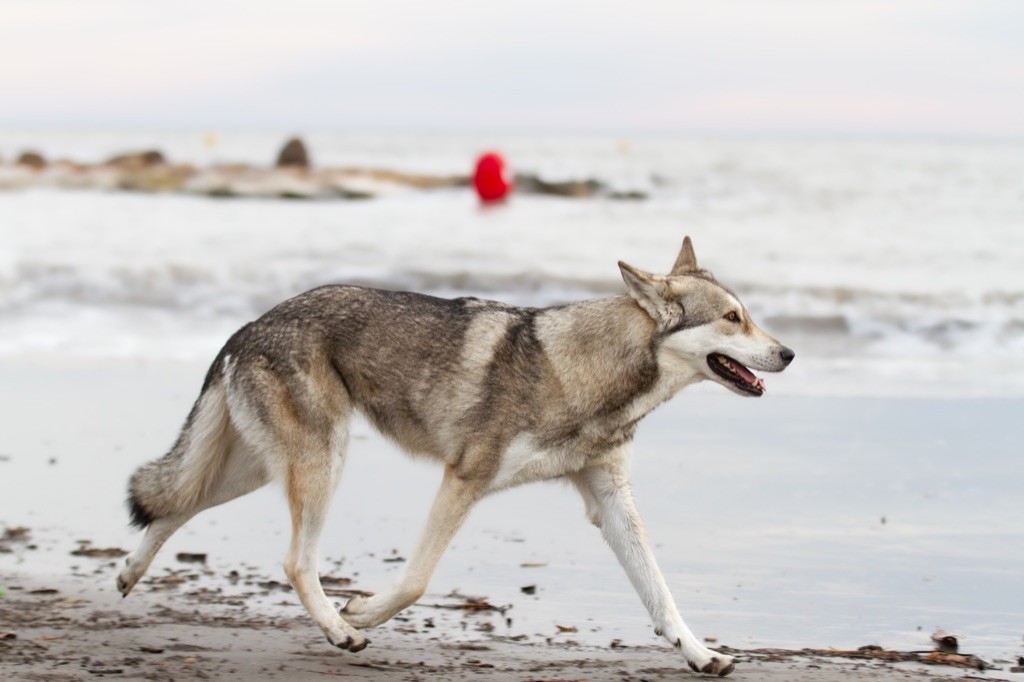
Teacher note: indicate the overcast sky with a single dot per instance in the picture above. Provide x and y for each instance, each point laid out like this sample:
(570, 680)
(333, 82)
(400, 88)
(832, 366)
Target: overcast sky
(929, 67)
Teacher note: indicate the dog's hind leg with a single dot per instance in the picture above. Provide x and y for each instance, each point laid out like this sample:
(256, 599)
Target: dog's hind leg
(609, 497)
(310, 483)
(451, 506)
(137, 563)
(241, 474)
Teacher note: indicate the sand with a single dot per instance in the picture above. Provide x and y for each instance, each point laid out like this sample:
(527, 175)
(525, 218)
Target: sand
(76, 632)
(792, 564)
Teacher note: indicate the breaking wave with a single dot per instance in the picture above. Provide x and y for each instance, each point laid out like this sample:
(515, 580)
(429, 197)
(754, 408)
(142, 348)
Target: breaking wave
(825, 318)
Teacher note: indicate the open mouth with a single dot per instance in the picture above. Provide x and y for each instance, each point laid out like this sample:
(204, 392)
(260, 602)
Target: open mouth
(736, 374)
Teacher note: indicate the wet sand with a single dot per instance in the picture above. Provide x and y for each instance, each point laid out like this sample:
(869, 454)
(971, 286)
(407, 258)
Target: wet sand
(79, 632)
(846, 523)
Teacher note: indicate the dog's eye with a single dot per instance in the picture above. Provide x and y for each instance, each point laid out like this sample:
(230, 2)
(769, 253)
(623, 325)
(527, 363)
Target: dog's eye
(732, 316)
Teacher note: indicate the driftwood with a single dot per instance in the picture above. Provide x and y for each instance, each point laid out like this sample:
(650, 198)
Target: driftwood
(872, 652)
(100, 552)
(191, 557)
(468, 603)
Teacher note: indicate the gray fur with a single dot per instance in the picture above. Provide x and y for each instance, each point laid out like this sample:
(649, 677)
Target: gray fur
(399, 357)
(501, 395)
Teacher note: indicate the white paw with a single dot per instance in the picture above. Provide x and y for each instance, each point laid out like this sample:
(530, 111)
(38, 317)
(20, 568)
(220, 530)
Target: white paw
(712, 663)
(359, 613)
(127, 578)
(347, 639)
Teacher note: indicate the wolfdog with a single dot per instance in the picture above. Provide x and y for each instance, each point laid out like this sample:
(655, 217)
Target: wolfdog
(499, 395)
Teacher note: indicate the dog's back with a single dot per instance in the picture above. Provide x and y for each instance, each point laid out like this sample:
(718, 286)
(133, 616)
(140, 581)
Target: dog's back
(439, 375)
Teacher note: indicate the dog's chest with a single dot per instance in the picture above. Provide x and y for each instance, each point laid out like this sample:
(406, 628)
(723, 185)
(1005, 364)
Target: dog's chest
(524, 461)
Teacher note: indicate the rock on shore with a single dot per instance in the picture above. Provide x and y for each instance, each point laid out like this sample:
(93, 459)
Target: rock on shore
(32, 160)
(292, 177)
(293, 155)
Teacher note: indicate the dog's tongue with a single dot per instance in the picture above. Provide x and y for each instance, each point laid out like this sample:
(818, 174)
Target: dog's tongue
(748, 376)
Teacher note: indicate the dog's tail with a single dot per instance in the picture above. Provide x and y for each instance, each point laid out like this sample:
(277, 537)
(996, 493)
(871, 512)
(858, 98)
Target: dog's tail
(180, 480)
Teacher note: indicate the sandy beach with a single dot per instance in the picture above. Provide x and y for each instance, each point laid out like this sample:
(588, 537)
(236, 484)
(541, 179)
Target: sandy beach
(82, 633)
(872, 550)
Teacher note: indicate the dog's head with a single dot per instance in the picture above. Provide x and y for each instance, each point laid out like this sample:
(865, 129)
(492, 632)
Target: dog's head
(702, 324)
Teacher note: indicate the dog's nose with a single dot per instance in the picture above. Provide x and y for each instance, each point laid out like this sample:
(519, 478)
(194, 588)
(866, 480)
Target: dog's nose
(787, 355)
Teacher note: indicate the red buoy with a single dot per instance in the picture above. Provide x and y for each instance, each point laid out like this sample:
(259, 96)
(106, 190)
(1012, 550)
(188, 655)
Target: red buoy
(490, 179)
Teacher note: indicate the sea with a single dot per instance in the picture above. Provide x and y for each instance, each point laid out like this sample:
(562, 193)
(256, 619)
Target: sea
(893, 267)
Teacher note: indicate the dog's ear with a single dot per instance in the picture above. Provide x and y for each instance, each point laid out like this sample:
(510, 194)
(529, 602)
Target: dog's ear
(686, 261)
(647, 290)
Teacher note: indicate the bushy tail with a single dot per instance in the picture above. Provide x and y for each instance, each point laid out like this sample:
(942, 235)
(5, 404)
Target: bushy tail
(180, 480)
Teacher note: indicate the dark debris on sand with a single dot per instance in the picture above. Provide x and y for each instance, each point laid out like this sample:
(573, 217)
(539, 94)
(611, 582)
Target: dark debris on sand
(54, 634)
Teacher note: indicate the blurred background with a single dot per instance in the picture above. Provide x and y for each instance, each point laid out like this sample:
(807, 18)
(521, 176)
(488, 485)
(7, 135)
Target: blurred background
(853, 169)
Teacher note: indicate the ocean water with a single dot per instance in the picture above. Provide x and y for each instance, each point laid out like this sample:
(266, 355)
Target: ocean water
(892, 267)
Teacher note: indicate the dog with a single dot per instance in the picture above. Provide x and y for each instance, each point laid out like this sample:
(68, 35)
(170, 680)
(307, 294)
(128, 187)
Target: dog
(499, 395)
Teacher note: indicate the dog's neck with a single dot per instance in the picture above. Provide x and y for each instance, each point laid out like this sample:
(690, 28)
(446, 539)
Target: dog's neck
(607, 353)
(674, 372)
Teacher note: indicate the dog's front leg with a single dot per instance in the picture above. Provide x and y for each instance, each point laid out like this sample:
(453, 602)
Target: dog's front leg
(609, 498)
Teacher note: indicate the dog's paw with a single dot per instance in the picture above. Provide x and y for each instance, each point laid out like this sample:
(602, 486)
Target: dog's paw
(127, 578)
(715, 664)
(348, 641)
(354, 606)
(703, 660)
(358, 613)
